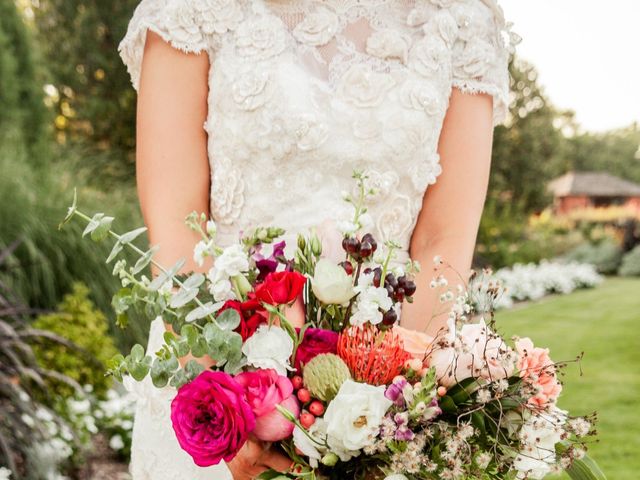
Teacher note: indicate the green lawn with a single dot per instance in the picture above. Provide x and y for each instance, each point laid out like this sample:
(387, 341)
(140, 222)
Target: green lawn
(605, 324)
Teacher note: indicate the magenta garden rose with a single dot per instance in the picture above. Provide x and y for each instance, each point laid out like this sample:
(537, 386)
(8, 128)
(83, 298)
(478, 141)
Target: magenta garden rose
(212, 418)
(315, 342)
(264, 390)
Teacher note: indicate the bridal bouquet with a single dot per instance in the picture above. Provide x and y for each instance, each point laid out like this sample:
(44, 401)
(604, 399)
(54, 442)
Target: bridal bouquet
(347, 393)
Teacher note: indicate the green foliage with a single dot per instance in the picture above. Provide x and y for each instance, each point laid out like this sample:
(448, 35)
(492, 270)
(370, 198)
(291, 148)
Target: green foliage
(503, 238)
(48, 261)
(605, 255)
(78, 320)
(96, 104)
(631, 263)
(22, 110)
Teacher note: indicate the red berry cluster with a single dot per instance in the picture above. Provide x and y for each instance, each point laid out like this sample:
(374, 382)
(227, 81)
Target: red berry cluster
(312, 408)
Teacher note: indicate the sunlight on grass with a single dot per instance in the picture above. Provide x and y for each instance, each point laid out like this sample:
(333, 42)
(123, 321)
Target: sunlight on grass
(604, 324)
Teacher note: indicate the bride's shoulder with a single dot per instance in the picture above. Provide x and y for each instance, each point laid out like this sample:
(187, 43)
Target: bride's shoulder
(192, 26)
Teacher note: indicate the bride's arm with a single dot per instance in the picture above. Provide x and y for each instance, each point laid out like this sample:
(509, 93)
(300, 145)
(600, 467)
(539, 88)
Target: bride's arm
(451, 211)
(173, 177)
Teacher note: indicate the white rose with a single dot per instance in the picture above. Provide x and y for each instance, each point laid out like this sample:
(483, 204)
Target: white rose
(269, 347)
(388, 44)
(317, 28)
(538, 438)
(363, 87)
(354, 417)
(331, 284)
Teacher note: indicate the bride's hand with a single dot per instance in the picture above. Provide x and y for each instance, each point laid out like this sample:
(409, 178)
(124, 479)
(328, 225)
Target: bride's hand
(254, 458)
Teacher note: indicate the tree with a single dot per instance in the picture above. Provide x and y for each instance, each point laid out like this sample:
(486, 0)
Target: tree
(22, 111)
(525, 148)
(96, 105)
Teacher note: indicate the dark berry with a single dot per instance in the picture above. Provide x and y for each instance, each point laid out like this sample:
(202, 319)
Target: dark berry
(398, 295)
(390, 318)
(409, 288)
(367, 271)
(390, 290)
(377, 276)
(348, 267)
(390, 279)
(351, 245)
(372, 241)
(365, 249)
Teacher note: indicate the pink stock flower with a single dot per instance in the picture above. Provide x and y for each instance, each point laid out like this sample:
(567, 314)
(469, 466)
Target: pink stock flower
(264, 390)
(537, 369)
(211, 418)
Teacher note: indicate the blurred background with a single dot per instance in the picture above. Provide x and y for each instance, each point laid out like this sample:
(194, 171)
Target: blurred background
(561, 225)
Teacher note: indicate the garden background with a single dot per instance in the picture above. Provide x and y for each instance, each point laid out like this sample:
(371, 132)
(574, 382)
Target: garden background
(67, 120)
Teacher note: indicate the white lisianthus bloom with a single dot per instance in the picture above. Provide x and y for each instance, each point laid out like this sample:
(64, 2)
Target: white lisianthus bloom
(331, 284)
(371, 300)
(354, 417)
(233, 261)
(5, 473)
(269, 347)
(312, 449)
(202, 249)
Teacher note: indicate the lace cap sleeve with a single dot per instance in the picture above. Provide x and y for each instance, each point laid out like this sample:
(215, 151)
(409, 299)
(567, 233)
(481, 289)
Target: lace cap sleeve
(191, 26)
(482, 51)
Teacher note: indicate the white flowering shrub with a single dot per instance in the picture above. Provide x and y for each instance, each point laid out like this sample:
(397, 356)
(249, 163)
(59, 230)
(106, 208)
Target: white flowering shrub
(534, 281)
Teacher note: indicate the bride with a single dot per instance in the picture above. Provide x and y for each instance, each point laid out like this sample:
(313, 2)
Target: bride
(258, 112)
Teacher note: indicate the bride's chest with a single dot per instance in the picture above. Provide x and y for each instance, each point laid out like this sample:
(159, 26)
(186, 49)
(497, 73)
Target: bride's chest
(331, 79)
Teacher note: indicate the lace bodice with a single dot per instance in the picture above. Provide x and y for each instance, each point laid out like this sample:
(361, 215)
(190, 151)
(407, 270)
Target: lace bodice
(304, 92)
(301, 94)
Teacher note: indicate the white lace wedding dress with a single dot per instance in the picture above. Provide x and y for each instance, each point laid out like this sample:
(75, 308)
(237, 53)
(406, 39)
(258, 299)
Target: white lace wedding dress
(301, 94)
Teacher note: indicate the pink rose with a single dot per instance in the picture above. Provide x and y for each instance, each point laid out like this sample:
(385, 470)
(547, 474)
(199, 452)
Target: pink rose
(264, 390)
(211, 418)
(537, 369)
(331, 239)
(315, 342)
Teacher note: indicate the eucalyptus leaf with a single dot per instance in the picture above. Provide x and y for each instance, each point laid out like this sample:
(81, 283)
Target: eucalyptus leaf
(228, 320)
(117, 248)
(203, 311)
(144, 260)
(164, 276)
(182, 297)
(162, 370)
(122, 300)
(93, 224)
(194, 281)
(102, 230)
(132, 235)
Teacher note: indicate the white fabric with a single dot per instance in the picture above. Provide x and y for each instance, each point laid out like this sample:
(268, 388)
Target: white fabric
(304, 92)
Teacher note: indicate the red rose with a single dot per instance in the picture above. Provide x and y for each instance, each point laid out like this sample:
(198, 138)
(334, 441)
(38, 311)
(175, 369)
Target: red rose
(315, 342)
(252, 315)
(280, 288)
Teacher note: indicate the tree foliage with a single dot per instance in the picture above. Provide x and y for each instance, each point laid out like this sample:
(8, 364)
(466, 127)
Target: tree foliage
(96, 103)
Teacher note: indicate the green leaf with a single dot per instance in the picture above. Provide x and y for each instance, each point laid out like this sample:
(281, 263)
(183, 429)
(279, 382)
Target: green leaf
(194, 281)
(117, 248)
(71, 211)
(478, 421)
(144, 260)
(228, 320)
(122, 300)
(584, 469)
(193, 369)
(182, 297)
(162, 370)
(102, 230)
(164, 276)
(138, 363)
(137, 352)
(272, 475)
(132, 235)
(203, 311)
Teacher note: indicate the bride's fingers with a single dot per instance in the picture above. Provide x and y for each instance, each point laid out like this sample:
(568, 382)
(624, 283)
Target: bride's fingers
(277, 461)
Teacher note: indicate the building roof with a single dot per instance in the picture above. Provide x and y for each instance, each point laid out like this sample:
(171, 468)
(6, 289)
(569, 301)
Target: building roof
(593, 184)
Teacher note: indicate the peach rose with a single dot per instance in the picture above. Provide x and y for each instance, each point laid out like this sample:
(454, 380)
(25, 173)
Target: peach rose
(537, 369)
(416, 343)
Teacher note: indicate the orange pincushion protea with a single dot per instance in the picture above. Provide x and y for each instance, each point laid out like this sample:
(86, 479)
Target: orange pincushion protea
(373, 356)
